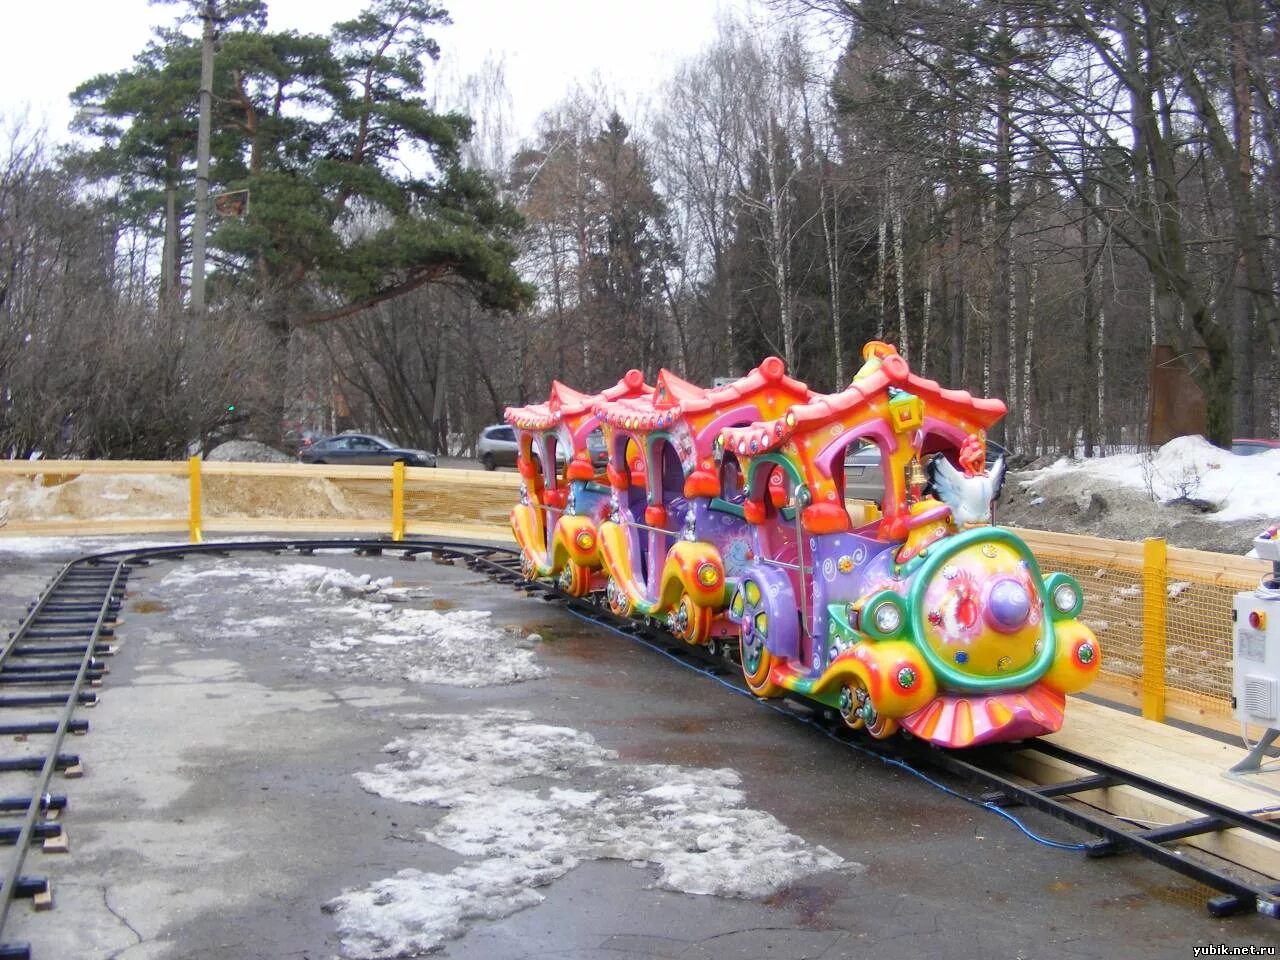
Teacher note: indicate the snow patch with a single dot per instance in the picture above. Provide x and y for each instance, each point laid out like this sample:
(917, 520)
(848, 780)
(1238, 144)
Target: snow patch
(1240, 487)
(348, 626)
(530, 801)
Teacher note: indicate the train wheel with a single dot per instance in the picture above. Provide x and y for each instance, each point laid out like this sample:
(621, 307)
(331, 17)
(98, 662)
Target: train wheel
(865, 714)
(619, 604)
(526, 567)
(575, 579)
(690, 622)
(757, 661)
(713, 647)
(850, 711)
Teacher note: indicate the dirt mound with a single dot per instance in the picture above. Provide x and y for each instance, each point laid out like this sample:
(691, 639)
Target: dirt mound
(1071, 503)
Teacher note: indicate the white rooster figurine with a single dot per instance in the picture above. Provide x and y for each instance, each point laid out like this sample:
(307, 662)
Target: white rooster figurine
(968, 494)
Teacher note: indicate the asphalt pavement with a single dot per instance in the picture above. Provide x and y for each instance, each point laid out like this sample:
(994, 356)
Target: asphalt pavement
(227, 803)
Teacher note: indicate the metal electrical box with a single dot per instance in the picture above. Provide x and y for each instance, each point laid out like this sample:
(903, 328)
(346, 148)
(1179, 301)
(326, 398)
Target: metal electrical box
(1256, 644)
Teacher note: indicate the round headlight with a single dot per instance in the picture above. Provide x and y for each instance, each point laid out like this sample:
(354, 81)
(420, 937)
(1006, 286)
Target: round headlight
(708, 575)
(1065, 597)
(585, 540)
(888, 618)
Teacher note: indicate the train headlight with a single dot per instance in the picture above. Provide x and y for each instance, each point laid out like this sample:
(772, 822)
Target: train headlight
(585, 540)
(887, 617)
(1065, 597)
(708, 575)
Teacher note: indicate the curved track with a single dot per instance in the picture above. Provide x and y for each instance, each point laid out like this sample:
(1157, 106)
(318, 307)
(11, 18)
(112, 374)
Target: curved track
(59, 644)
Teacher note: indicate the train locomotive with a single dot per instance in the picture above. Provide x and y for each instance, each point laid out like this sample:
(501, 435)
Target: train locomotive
(726, 522)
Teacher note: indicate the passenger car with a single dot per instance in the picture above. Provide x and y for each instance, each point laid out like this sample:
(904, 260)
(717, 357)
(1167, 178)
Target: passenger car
(363, 448)
(864, 475)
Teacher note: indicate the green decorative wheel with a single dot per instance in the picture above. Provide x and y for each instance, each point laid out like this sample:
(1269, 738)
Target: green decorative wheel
(747, 609)
(862, 713)
(850, 708)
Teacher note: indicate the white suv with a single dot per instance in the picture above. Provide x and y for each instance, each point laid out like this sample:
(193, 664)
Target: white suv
(497, 446)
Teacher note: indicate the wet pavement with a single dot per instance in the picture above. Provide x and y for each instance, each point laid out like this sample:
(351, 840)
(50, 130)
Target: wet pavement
(220, 812)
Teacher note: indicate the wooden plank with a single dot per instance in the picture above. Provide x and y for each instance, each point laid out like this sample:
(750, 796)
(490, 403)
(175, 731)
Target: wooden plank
(70, 468)
(1181, 759)
(1230, 572)
(1247, 850)
(1092, 549)
(1179, 705)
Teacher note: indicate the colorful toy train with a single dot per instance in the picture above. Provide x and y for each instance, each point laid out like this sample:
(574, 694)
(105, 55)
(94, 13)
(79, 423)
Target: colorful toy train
(721, 514)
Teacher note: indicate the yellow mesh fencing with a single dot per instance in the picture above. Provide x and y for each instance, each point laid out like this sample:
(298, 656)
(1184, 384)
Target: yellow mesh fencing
(1163, 619)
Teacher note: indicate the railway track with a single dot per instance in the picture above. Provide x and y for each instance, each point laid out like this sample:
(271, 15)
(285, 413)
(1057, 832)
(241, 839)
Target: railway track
(50, 663)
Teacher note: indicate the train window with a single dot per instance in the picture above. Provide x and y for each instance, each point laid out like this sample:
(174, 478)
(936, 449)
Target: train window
(555, 456)
(597, 449)
(778, 491)
(732, 490)
(731, 487)
(862, 472)
(672, 477)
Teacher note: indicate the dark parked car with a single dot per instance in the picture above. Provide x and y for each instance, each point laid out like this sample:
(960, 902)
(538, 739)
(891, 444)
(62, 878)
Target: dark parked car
(363, 448)
(864, 476)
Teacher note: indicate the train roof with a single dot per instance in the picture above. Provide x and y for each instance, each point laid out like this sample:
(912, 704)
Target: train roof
(892, 374)
(565, 401)
(674, 397)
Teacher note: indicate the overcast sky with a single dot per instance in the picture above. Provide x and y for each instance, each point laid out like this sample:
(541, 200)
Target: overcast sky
(50, 46)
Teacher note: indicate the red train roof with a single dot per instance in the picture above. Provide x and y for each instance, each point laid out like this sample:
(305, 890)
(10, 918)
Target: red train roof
(565, 401)
(978, 412)
(674, 397)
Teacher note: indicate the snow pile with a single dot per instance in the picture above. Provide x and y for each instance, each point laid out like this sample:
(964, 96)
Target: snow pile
(1238, 487)
(247, 451)
(292, 578)
(356, 625)
(530, 802)
(460, 648)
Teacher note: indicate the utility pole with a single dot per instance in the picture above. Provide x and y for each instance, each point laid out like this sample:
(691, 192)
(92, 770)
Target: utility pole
(200, 222)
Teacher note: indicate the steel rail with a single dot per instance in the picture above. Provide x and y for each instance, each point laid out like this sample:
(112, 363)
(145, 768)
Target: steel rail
(1239, 895)
(39, 800)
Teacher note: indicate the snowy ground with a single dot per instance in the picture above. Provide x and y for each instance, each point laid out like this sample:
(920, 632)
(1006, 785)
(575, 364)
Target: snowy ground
(524, 802)
(366, 758)
(1188, 491)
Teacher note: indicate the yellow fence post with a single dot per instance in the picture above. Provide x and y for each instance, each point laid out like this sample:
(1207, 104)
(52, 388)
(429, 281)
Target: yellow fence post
(193, 467)
(1155, 597)
(397, 500)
